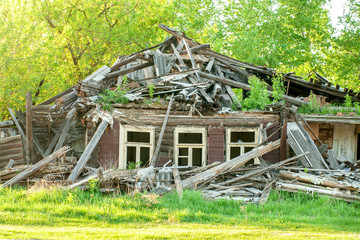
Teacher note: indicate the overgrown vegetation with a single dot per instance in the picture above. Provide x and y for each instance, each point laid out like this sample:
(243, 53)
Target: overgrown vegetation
(43, 208)
(109, 97)
(314, 107)
(258, 96)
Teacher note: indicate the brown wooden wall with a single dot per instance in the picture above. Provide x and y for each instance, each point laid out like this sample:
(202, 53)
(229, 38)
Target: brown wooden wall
(108, 155)
(11, 148)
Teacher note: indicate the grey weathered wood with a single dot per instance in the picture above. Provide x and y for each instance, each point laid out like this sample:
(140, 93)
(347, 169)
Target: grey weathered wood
(262, 170)
(307, 189)
(158, 145)
(36, 141)
(210, 65)
(125, 61)
(177, 181)
(88, 150)
(245, 86)
(235, 163)
(266, 192)
(6, 124)
(128, 70)
(174, 57)
(54, 98)
(181, 61)
(34, 168)
(97, 174)
(21, 131)
(29, 129)
(68, 119)
(10, 164)
(332, 160)
(197, 48)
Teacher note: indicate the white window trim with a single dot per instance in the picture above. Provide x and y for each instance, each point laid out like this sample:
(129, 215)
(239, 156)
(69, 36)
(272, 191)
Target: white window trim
(242, 146)
(178, 145)
(123, 144)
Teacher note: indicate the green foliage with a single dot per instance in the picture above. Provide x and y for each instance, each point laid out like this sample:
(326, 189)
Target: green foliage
(109, 97)
(94, 185)
(258, 97)
(278, 90)
(151, 88)
(348, 101)
(133, 165)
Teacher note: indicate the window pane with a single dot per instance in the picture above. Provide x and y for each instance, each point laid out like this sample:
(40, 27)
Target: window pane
(143, 137)
(183, 161)
(190, 138)
(183, 152)
(144, 156)
(248, 149)
(242, 137)
(130, 154)
(197, 157)
(234, 152)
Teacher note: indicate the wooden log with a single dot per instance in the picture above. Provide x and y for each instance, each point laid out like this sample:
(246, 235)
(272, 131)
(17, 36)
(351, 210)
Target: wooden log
(177, 181)
(197, 48)
(316, 180)
(125, 61)
(245, 86)
(235, 163)
(15, 138)
(29, 131)
(158, 144)
(68, 119)
(88, 150)
(299, 188)
(36, 167)
(17, 125)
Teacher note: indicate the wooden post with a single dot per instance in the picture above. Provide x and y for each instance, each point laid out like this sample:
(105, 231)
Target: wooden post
(88, 150)
(158, 145)
(29, 130)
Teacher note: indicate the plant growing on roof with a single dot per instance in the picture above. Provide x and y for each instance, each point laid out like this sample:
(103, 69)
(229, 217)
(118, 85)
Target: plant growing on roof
(258, 97)
(109, 97)
(278, 90)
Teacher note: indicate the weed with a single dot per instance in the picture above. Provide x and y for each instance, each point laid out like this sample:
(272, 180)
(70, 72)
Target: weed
(133, 165)
(109, 97)
(259, 96)
(151, 88)
(278, 90)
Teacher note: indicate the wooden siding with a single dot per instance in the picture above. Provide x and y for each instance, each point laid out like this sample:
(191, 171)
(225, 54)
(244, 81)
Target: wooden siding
(108, 155)
(216, 145)
(11, 148)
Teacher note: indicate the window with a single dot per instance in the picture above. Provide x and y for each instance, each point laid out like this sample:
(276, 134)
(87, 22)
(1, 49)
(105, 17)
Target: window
(240, 141)
(136, 145)
(190, 146)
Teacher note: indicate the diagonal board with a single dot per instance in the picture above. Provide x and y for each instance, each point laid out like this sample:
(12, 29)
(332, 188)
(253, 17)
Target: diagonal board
(300, 144)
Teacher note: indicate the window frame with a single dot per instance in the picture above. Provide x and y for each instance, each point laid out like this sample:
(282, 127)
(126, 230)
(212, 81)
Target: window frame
(123, 143)
(243, 145)
(190, 146)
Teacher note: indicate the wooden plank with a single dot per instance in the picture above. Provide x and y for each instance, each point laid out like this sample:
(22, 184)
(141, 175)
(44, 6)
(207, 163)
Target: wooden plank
(125, 62)
(266, 192)
(29, 130)
(68, 119)
(88, 150)
(6, 124)
(34, 168)
(210, 65)
(17, 124)
(10, 164)
(177, 181)
(158, 145)
(128, 70)
(332, 160)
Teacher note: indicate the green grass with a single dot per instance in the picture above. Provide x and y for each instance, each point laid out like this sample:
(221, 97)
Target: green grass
(58, 214)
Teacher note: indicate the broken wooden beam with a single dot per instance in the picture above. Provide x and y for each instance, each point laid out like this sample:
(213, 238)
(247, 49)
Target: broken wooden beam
(158, 145)
(97, 174)
(88, 150)
(235, 163)
(68, 120)
(177, 181)
(36, 167)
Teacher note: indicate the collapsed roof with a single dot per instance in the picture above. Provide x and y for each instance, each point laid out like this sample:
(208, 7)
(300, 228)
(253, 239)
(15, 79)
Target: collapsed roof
(194, 73)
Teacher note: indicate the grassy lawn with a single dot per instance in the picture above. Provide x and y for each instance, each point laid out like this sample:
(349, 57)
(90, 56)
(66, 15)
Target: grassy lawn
(54, 214)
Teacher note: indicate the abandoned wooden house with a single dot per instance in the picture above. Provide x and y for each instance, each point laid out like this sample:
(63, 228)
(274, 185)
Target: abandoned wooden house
(175, 102)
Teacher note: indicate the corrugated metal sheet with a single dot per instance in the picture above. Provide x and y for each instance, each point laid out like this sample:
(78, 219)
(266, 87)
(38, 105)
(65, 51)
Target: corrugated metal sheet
(108, 156)
(216, 145)
(11, 148)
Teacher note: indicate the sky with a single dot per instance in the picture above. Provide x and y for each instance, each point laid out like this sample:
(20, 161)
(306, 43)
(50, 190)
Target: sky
(336, 9)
